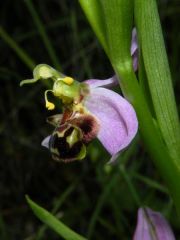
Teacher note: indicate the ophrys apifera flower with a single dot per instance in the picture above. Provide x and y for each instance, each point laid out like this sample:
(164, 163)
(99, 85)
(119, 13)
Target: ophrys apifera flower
(90, 110)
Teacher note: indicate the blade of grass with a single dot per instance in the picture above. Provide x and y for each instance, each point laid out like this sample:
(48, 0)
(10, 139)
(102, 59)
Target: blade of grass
(46, 217)
(26, 59)
(151, 183)
(21, 53)
(106, 191)
(43, 34)
(130, 185)
(60, 200)
(100, 204)
(33, 33)
(107, 226)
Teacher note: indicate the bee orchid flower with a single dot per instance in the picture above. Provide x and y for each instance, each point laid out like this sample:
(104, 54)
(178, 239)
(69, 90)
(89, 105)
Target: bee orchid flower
(152, 225)
(90, 110)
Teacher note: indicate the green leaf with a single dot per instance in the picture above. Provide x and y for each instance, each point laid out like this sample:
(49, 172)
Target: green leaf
(94, 14)
(53, 222)
(144, 83)
(118, 16)
(158, 74)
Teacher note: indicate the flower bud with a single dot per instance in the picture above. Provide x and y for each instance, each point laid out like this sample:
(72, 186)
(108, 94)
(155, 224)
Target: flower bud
(152, 225)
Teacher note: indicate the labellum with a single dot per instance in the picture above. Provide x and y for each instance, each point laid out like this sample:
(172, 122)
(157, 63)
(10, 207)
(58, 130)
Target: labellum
(72, 133)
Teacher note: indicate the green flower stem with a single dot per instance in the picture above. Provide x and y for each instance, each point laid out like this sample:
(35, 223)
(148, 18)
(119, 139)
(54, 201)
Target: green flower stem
(43, 34)
(118, 19)
(151, 134)
(130, 186)
(17, 49)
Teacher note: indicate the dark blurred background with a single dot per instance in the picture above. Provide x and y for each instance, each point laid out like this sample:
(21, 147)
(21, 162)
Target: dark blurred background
(94, 199)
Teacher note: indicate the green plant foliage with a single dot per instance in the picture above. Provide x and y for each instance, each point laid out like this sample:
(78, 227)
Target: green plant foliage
(53, 222)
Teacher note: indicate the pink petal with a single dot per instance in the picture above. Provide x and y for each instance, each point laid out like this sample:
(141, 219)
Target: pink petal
(108, 83)
(118, 121)
(134, 44)
(113, 81)
(152, 225)
(45, 142)
(134, 49)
